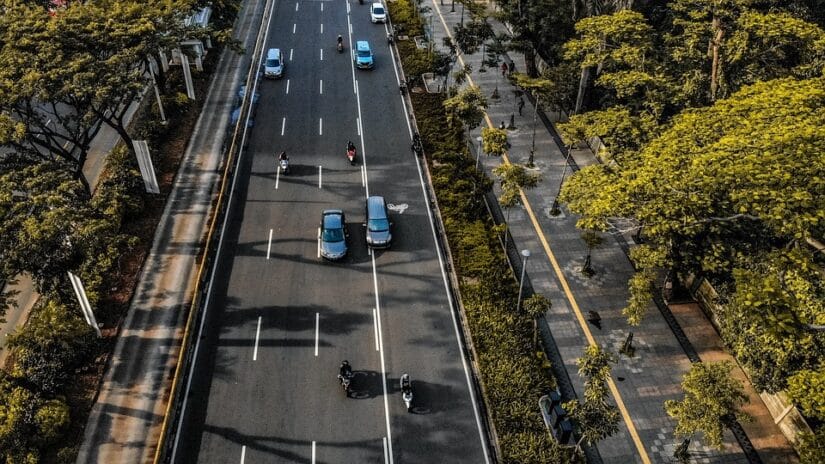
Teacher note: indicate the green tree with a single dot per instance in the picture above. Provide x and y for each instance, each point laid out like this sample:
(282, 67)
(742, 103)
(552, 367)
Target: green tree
(494, 141)
(514, 179)
(595, 418)
(807, 389)
(592, 240)
(466, 108)
(539, 88)
(712, 400)
(536, 306)
(811, 447)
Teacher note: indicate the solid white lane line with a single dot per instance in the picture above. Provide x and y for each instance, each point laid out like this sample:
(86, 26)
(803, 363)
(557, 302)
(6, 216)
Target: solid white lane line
(243, 454)
(320, 126)
(363, 176)
(350, 28)
(322, 54)
(358, 124)
(293, 27)
(317, 322)
(383, 362)
(385, 450)
(347, 7)
(287, 86)
(313, 452)
(319, 176)
(257, 336)
(269, 246)
(375, 327)
(322, 28)
(290, 54)
(283, 125)
(321, 86)
(319, 242)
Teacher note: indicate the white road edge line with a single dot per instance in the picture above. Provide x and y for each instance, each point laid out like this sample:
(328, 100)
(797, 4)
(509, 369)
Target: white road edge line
(322, 5)
(257, 337)
(319, 242)
(320, 176)
(283, 125)
(313, 452)
(363, 176)
(385, 449)
(375, 327)
(317, 323)
(287, 86)
(243, 454)
(258, 43)
(460, 343)
(269, 246)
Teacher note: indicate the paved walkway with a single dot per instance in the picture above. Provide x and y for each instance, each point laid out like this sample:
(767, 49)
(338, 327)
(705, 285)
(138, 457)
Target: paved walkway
(642, 382)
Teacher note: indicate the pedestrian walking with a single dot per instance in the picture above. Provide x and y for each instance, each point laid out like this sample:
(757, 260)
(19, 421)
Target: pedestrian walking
(520, 105)
(503, 69)
(502, 125)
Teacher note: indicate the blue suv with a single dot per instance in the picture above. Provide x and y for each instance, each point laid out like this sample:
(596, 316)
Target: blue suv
(363, 55)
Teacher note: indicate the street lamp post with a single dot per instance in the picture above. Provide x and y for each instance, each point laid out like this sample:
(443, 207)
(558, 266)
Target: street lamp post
(478, 152)
(533, 145)
(525, 254)
(452, 6)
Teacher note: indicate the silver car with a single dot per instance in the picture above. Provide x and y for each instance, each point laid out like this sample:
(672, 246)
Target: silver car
(333, 234)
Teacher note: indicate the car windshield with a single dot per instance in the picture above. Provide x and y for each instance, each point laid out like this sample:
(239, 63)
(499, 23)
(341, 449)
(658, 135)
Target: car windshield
(273, 62)
(333, 235)
(378, 225)
(378, 10)
(363, 53)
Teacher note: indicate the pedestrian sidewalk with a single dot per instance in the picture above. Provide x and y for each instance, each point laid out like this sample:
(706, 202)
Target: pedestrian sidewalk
(662, 352)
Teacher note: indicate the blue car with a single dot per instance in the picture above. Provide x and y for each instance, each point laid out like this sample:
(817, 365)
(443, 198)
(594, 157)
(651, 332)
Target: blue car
(363, 55)
(333, 234)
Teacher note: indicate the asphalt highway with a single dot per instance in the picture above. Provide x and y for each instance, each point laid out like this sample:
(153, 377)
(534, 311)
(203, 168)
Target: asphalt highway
(281, 319)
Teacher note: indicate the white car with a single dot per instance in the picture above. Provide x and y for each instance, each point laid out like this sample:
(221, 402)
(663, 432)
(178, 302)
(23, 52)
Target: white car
(378, 14)
(274, 64)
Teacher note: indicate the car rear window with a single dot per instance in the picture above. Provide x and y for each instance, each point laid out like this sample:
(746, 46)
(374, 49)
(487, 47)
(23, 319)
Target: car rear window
(273, 62)
(378, 10)
(333, 235)
(378, 225)
(364, 53)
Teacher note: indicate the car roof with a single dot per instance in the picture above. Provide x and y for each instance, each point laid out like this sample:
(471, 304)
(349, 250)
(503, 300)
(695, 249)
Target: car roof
(362, 45)
(273, 53)
(375, 201)
(333, 218)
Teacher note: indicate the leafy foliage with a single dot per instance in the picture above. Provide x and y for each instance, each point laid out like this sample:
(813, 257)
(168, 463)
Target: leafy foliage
(712, 399)
(595, 417)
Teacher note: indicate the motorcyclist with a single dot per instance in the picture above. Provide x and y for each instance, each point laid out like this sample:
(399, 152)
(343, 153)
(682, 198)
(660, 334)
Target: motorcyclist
(345, 370)
(283, 157)
(406, 385)
(340, 41)
(350, 145)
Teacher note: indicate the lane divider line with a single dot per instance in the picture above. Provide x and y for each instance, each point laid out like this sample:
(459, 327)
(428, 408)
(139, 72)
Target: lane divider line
(322, 54)
(565, 286)
(363, 176)
(257, 337)
(287, 86)
(321, 87)
(291, 50)
(277, 172)
(320, 176)
(313, 452)
(283, 125)
(322, 6)
(294, 25)
(375, 327)
(320, 126)
(296, 6)
(317, 323)
(243, 454)
(322, 28)
(385, 450)
(269, 245)
(319, 242)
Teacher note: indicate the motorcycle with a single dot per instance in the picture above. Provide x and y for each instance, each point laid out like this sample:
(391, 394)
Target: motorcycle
(390, 38)
(345, 382)
(284, 164)
(406, 391)
(340, 47)
(351, 155)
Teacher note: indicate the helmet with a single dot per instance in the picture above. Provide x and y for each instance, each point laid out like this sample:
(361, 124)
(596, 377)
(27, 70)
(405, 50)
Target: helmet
(345, 363)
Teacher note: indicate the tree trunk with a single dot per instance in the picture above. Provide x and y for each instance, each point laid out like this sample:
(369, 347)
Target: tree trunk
(585, 76)
(714, 51)
(535, 332)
